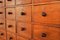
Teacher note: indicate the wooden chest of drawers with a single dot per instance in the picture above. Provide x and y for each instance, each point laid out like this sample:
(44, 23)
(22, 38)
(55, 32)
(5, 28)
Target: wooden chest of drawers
(29, 19)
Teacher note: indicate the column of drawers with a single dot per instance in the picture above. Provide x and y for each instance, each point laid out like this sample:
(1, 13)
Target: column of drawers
(23, 18)
(46, 22)
(2, 21)
(10, 19)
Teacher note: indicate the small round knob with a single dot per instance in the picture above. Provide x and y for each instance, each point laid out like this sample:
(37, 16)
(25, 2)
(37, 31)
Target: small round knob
(10, 13)
(23, 29)
(44, 14)
(0, 1)
(10, 26)
(9, 0)
(44, 35)
(1, 23)
(22, 13)
(10, 38)
(1, 34)
(1, 12)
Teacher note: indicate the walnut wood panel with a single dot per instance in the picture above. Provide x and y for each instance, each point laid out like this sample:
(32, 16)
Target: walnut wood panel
(2, 13)
(24, 29)
(11, 36)
(46, 33)
(2, 3)
(10, 3)
(10, 13)
(2, 23)
(23, 2)
(46, 13)
(2, 34)
(23, 13)
(11, 26)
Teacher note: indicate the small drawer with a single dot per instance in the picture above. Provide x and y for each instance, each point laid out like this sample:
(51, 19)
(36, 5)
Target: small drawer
(2, 3)
(10, 13)
(21, 38)
(23, 2)
(10, 3)
(2, 34)
(2, 23)
(11, 26)
(11, 36)
(23, 13)
(24, 29)
(46, 13)
(2, 13)
(46, 33)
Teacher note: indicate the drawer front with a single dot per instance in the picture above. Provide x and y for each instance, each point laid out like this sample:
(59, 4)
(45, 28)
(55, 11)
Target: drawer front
(23, 2)
(10, 3)
(2, 13)
(11, 26)
(2, 3)
(10, 13)
(44, 1)
(21, 38)
(2, 34)
(23, 29)
(46, 33)
(11, 36)
(46, 13)
(23, 13)
(2, 23)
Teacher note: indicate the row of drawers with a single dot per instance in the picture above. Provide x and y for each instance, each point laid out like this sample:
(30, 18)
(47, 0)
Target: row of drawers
(40, 13)
(13, 2)
(28, 30)
(10, 36)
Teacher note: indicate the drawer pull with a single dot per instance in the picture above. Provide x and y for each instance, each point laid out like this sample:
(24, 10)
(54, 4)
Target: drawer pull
(1, 2)
(22, 13)
(23, 29)
(10, 13)
(1, 34)
(9, 26)
(1, 12)
(44, 35)
(10, 38)
(44, 14)
(1, 23)
(9, 0)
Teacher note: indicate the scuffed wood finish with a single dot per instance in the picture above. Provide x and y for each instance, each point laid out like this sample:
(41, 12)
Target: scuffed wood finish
(23, 2)
(2, 34)
(11, 26)
(11, 36)
(10, 3)
(21, 38)
(2, 3)
(43, 1)
(46, 33)
(10, 13)
(2, 23)
(23, 29)
(46, 13)
(29, 19)
(2, 13)
(23, 13)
